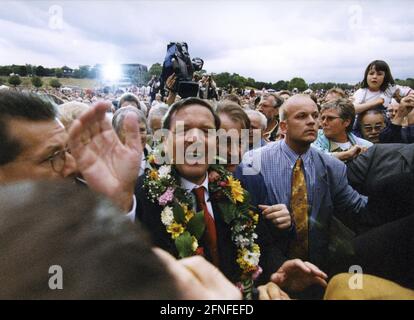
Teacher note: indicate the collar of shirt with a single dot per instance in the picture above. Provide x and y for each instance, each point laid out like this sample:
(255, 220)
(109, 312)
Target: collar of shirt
(189, 186)
(292, 156)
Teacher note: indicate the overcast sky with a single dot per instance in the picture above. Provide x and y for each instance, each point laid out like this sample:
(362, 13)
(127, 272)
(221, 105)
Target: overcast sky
(267, 40)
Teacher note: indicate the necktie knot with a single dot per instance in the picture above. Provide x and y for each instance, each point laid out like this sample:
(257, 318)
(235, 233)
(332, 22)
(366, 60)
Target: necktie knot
(199, 193)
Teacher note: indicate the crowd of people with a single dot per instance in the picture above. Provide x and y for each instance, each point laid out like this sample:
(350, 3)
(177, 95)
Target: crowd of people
(257, 195)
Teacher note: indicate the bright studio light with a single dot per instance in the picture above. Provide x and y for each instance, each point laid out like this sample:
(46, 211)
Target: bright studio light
(112, 72)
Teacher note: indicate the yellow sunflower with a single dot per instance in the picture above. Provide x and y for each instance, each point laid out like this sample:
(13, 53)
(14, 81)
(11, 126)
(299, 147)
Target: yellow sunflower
(153, 175)
(236, 189)
(176, 229)
(189, 214)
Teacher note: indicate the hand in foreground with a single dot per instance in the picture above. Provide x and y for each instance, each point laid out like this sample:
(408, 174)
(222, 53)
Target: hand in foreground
(108, 166)
(296, 275)
(196, 278)
(271, 291)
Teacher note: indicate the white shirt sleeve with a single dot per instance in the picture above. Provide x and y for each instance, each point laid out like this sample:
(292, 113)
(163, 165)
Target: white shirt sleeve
(131, 214)
(358, 96)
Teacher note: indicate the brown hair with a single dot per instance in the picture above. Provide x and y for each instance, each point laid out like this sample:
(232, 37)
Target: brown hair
(101, 253)
(234, 112)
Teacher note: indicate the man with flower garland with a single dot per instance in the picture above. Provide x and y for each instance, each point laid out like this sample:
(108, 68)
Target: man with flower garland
(169, 198)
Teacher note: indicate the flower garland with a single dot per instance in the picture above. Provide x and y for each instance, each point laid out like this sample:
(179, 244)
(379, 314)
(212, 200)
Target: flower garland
(186, 226)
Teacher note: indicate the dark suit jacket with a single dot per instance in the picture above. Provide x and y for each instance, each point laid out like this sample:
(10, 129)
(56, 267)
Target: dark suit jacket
(379, 162)
(271, 258)
(385, 173)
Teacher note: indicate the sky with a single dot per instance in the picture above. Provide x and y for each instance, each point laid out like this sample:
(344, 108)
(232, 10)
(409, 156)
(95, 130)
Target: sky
(271, 40)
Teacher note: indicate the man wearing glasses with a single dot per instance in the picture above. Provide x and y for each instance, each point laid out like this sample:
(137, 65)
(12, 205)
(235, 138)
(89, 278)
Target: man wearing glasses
(35, 146)
(335, 137)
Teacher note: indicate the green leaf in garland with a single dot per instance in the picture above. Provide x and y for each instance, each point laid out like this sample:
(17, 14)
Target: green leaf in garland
(179, 214)
(184, 245)
(196, 225)
(228, 211)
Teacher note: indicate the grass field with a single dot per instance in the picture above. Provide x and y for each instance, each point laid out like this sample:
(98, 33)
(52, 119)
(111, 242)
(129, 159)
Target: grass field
(82, 83)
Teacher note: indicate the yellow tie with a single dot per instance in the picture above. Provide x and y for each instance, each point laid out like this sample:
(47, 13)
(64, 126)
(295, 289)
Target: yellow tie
(299, 206)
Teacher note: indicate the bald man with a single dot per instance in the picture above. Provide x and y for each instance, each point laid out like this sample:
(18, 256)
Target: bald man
(313, 186)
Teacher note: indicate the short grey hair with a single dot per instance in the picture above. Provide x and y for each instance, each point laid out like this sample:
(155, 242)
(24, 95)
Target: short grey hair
(70, 111)
(345, 109)
(263, 120)
(119, 116)
(159, 110)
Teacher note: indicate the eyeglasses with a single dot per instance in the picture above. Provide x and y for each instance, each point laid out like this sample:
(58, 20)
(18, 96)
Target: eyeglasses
(329, 118)
(377, 128)
(58, 159)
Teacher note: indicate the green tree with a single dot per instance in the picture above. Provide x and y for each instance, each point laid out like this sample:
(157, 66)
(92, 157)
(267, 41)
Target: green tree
(251, 82)
(84, 71)
(281, 85)
(155, 69)
(58, 72)
(22, 71)
(37, 82)
(40, 71)
(15, 80)
(237, 81)
(298, 83)
(5, 71)
(31, 70)
(54, 83)
(410, 82)
(222, 79)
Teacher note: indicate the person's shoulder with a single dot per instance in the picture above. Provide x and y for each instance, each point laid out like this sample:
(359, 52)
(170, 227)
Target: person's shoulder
(389, 147)
(259, 152)
(325, 159)
(362, 142)
(359, 91)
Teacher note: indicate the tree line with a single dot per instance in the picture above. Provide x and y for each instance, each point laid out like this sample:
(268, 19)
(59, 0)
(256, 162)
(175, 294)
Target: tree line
(29, 70)
(223, 79)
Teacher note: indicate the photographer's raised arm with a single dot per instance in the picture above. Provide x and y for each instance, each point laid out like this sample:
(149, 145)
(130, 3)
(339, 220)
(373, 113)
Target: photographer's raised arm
(170, 83)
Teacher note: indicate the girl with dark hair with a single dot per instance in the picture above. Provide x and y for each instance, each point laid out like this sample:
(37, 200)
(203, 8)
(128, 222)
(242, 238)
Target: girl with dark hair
(377, 88)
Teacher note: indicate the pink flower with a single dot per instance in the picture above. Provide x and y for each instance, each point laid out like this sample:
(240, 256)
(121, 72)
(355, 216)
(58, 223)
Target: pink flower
(166, 197)
(257, 273)
(239, 285)
(223, 184)
(213, 176)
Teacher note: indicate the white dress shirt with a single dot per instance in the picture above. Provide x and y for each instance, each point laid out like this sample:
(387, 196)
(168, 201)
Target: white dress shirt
(189, 186)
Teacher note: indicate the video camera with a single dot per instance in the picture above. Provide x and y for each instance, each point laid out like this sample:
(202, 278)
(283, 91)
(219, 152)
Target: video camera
(178, 61)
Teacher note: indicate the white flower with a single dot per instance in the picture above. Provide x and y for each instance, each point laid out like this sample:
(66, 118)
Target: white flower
(167, 216)
(252, 257)
(241, 241)
(194, 245)
(164, 171)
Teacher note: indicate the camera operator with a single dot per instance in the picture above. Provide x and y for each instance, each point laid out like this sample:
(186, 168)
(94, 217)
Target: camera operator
(154, 85)
(207, 88)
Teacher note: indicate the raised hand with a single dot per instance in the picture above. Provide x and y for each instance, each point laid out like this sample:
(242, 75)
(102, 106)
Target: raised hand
(296, 275)
(108, 166)
(196, 278)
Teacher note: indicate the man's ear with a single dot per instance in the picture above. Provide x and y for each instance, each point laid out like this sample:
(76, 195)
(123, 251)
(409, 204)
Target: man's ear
(347, 122)
(283, 127)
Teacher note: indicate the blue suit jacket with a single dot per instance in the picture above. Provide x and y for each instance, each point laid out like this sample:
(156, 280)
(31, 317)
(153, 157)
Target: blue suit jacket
(332, 195)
